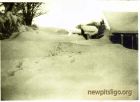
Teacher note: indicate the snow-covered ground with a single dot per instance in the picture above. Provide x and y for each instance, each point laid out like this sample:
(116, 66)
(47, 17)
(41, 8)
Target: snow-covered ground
(49, 64)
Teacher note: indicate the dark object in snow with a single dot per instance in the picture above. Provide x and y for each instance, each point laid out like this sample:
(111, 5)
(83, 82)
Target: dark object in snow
(128, 40)
(89, 33)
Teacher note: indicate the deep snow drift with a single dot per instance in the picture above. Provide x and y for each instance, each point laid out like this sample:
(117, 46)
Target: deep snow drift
(49, 64)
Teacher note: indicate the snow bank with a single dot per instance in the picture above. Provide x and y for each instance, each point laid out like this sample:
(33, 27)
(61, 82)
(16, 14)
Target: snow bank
(45, 65)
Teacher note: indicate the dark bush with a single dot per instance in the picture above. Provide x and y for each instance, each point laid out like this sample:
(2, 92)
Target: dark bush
(9, 23)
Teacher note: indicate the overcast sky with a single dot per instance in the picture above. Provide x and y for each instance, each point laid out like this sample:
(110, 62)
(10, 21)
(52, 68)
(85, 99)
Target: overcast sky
(67, 13)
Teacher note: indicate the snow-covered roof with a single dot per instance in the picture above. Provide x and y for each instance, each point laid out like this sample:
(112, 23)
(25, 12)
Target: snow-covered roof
(122, 22)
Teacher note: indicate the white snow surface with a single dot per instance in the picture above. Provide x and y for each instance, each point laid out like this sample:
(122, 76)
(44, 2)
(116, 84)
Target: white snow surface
(48, 64)
(90, 29)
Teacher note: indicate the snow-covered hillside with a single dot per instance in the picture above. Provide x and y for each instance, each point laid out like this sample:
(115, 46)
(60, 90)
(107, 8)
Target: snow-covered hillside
(49, 64)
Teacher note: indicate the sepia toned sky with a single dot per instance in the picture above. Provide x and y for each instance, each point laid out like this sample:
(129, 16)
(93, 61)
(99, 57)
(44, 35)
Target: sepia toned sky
(68, 13)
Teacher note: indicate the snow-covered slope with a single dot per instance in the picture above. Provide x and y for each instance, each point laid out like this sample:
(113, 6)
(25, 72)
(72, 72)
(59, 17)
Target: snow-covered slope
(45, 65)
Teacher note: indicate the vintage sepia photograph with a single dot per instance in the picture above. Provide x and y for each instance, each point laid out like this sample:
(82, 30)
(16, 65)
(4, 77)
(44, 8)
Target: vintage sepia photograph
(69, 50)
